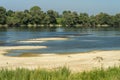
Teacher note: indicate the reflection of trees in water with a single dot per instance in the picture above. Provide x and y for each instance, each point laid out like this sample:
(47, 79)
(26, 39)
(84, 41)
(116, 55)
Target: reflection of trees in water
(3, 29)
(3, 36)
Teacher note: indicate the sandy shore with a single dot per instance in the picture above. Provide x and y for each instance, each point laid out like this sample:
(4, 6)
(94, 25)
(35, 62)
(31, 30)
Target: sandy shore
(76, 62)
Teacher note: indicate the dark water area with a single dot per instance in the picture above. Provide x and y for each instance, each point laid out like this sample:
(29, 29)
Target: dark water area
(80, 39)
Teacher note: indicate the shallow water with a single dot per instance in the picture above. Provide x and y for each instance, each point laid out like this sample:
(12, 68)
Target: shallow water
(80, 39)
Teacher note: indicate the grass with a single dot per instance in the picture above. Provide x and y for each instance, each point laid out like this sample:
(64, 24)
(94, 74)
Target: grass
(59, 74)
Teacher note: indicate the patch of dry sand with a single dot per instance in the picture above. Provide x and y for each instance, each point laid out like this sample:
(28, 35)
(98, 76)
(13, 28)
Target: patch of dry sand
(76, 62)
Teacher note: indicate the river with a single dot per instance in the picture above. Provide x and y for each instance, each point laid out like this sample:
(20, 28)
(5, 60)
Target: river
(80, 39)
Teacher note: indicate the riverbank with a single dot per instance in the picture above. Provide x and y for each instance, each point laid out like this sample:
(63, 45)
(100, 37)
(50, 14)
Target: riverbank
(76, 62)
(54, 25)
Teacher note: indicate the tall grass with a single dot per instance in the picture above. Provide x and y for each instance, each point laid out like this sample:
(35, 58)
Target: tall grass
(59, 74)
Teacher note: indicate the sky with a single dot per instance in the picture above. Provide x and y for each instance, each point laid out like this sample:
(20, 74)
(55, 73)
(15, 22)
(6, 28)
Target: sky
(88, 6)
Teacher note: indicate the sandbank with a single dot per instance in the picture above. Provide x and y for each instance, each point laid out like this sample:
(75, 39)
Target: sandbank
(7, 48)
(48, 39)
(21, 47)
(40, 40)
(31, 41)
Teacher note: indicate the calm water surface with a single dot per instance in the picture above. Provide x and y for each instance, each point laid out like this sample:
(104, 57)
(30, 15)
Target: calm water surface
(81, 39)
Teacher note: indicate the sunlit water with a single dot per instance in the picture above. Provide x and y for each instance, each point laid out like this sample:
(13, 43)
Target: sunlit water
(80, 39)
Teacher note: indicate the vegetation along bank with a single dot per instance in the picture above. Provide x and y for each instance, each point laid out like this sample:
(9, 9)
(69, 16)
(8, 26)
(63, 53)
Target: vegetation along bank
(36, 17)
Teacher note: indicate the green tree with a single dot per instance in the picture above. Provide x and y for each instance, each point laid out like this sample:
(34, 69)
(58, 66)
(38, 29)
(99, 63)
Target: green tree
(46, 20)
(93, 21)
(84, 19)
(52, 15)
(37, 15)
(35, 9)
(103, 18)
(117, 20)
(12, 21)
(75, 17)
(10, 13)
(26, 19)
(69, 18)
(20, 15)
(2, 15)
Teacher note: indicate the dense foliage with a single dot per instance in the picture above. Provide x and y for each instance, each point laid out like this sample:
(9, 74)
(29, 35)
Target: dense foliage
(60, 74)
(36, 17)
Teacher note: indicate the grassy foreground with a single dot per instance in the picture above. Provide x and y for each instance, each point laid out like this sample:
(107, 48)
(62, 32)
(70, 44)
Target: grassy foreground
(59, 74)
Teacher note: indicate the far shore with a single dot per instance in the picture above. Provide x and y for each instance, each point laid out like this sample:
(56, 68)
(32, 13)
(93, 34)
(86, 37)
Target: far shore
(52, 25)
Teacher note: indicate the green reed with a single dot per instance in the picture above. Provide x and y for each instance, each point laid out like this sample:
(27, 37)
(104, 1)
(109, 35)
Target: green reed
(59, 74)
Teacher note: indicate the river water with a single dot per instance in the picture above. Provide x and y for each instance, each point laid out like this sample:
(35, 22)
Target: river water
(80, 39)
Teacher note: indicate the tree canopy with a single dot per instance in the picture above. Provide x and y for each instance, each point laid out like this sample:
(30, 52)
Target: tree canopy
(35, 16)
(2, 15)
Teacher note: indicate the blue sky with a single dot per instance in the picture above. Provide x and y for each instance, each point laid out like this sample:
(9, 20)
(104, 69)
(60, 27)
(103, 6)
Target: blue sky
(88, 6)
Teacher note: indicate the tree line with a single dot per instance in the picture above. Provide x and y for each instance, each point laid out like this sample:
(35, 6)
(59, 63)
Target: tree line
(36, 17)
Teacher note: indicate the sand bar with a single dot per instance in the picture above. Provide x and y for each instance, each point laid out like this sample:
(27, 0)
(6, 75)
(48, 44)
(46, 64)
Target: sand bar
(48, 39)
(7, 48)
(76, 62)
(21, 47)
(41, 40)
(29, 41)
